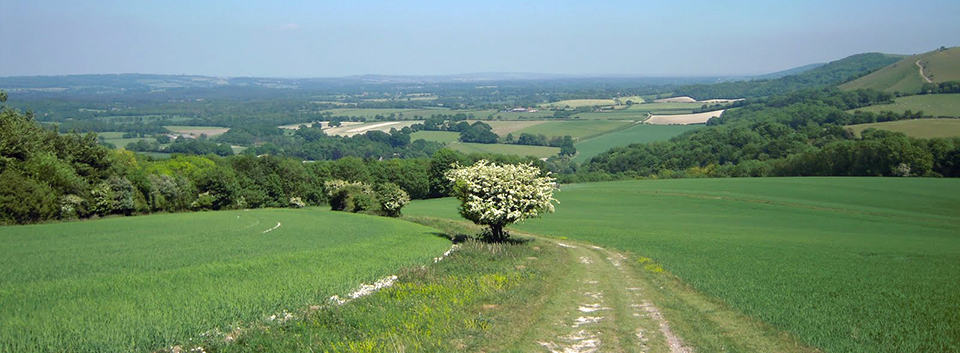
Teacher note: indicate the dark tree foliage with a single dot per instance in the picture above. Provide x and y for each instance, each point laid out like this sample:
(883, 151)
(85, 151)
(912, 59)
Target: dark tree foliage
(478, 132)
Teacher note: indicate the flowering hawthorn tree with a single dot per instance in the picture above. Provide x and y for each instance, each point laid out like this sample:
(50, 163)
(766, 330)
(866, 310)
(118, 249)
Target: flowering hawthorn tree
(497, 195)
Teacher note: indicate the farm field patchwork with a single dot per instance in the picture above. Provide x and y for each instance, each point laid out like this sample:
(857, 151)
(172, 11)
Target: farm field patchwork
(578, 129)
(920, 128)
(143, 283)
(844, 264)
(638, 133)
(116, 138)
(929, 104)
(499, 148)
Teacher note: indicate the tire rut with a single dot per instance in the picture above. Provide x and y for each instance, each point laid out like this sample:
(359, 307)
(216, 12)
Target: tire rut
(611, 313)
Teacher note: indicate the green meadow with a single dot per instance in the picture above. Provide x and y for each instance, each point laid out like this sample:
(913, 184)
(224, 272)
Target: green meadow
(638, 133)
(144, 283)
(436, 136)
(919, 128)
(578, 129)
(844, 264)
(519, 150)
(929, 104)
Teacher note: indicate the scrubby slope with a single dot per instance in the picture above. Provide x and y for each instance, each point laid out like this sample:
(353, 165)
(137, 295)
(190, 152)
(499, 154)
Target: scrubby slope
(904, 75)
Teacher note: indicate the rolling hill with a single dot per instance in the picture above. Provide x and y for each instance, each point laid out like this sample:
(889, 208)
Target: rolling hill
(832, 73)
(940, 65)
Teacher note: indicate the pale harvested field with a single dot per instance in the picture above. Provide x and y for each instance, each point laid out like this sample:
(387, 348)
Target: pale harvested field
(354, 129)
(683, 119)
(720, 101)
(196, 131)
(322, 124)
(683, 99)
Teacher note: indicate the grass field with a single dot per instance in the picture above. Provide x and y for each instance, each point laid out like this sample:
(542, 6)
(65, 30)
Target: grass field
(904, 75)
(436, 136)
(116, 138)
(638, 133)
(578, 129)
(356, 129)
(920, 128)
(499, 148)
(210, 131)
(144, 283)
(930, 104)
(371, 113)
(845, 264)
(576, 103)
(638, 112)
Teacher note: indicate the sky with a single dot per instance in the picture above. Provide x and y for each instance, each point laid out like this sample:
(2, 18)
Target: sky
(341, 38)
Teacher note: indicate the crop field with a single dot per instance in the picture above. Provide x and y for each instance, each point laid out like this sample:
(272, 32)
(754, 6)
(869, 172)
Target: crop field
(578, 129)
(519, 150)
(401, 114)
(354, 129)
(504, 127)
(683, 119)
(116, 138)
(930, 104)
(638, 133)
(920, 128)
(196, 131)
(436, 136)
(144, 283)
(844, 264)
(576, 103)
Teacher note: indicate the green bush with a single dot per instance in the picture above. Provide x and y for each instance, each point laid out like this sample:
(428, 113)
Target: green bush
(391, 198)
(24, 200)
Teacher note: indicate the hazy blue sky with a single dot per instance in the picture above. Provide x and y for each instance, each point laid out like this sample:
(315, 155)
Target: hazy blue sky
(319, 38)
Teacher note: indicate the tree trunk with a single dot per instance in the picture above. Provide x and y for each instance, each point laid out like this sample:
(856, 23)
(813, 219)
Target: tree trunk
(496, 234)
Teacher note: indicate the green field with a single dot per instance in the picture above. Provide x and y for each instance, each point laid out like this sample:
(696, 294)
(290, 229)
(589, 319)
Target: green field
(904, 75)
(144, 283)
(919, 128)
(639, 112)
(845, 264)
(578, 129)
(499, 148)
(436, 136)
(370, 113)
(116, 138)
(930, 104)
(639, 133)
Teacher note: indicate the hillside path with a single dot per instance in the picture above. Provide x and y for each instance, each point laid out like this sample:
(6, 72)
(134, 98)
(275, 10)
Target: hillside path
(921, 72)
(602, 307)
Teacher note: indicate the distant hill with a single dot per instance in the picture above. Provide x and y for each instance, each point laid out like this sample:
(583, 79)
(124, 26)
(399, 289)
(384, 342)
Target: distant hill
(788, 72)
(940, 65)
(825, 75)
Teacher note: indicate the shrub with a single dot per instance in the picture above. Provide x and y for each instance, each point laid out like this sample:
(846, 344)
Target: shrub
(498, 195)
(349, 196)
(392, 198)
(24, 200)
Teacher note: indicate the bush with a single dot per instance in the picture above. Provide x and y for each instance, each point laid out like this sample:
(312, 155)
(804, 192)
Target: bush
(498, 195)
(350, 196)
(392, 198)
(24, 200)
